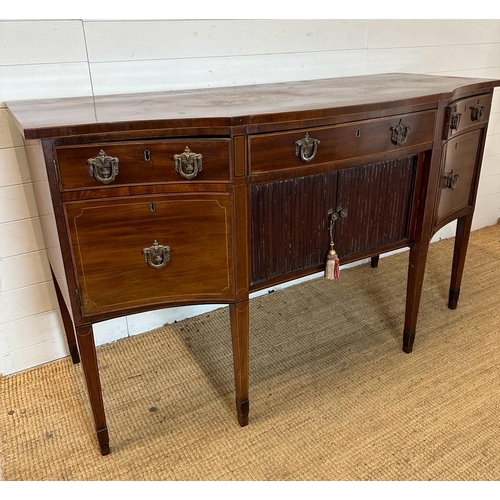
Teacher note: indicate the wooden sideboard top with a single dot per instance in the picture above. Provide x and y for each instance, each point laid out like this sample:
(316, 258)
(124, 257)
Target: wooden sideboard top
(239, 105)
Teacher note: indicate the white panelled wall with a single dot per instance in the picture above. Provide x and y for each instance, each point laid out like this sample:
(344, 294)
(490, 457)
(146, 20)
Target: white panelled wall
(45, 59)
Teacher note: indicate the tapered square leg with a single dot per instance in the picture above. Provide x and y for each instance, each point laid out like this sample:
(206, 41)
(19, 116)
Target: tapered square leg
(416, 272)
(374, 261)
(239, 334)
(86, 346)
(459, 254)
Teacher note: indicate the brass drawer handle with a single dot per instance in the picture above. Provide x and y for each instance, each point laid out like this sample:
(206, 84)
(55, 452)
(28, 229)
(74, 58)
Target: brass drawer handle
(103, 168)
(478, 112)
(455, 118)
(400, 133)
(451, 180)
(306, 148)
(188, 164)
(157, 255)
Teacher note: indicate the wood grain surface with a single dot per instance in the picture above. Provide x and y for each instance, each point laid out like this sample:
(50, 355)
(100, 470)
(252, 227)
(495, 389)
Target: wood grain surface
(253, 104)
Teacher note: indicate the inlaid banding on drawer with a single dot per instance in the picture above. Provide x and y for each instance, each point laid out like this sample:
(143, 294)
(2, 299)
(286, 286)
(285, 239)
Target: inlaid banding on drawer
(156, 249)
(145, 162)
(273, 152)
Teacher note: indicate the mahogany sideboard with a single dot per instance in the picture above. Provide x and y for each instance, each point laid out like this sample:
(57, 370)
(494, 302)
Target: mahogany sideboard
(203, 196)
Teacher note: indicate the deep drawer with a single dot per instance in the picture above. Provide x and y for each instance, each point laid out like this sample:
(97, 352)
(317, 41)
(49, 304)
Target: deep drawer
(272, 152)
(149, 250)
(143, 162)
(466, 113)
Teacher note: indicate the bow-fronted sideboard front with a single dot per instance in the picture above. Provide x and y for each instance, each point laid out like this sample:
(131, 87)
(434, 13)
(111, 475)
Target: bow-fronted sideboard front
(203, 196)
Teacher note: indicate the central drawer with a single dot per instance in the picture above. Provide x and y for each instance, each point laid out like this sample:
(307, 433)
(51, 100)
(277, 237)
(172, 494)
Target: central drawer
(143, 162)
(280, 151)
(149, 250)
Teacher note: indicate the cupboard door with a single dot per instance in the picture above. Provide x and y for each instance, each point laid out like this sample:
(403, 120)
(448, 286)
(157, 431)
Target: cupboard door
(148, 250)
(460, 161)
(289, 231)
(378, 200)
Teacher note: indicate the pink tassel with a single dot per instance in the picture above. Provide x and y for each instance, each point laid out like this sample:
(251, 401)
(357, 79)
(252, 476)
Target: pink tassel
(332, 268)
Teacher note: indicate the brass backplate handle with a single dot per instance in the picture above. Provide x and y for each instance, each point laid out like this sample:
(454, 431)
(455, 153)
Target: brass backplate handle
(400, 133)
(451, 180)
(188, 164)
(103, 168)
(455, 118)
(306, 148)
(477, 112)
(156, 256)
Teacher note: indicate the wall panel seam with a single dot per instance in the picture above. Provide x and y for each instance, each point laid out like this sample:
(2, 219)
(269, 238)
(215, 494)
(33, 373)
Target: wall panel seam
(49, 282)
(409, 47)
(228, 56)
(42, 64)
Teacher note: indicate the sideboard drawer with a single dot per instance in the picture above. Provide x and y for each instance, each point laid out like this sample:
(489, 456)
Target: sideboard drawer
(143, 162)
(272, 152)
(147, 250)
(460, 161)
(466, 113)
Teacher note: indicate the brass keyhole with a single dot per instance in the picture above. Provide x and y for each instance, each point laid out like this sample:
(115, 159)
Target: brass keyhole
(152, 206)
(147, 155)
(358, 132)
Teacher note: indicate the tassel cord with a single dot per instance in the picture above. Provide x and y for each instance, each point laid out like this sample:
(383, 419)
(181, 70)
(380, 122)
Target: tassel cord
(332, 267)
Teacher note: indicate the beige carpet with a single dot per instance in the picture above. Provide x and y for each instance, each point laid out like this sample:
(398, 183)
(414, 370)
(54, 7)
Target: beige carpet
(332, 395)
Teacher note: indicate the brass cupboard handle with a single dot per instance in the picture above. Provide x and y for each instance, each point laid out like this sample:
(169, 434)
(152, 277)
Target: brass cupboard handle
(306, 148)
(103, 168)
(156, 256)
(451, 180)
(335, 214)
(188, 164)
(400, 133)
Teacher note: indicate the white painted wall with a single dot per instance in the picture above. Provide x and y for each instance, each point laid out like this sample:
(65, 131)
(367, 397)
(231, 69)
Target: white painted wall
(63, 58)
